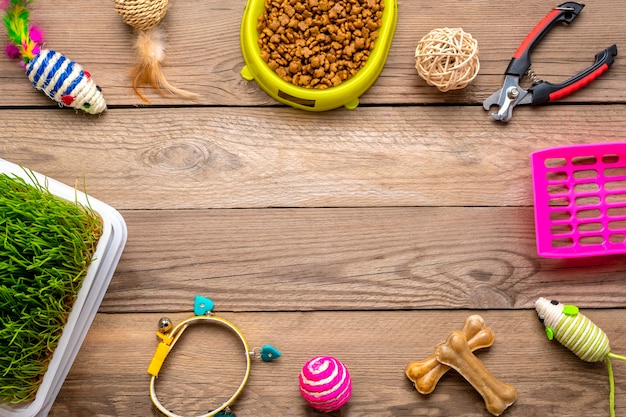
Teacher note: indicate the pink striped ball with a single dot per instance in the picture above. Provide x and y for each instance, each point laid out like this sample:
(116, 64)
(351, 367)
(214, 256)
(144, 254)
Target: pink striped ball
(325, 383)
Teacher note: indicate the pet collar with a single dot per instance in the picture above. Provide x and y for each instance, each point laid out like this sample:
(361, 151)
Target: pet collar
(169, 335)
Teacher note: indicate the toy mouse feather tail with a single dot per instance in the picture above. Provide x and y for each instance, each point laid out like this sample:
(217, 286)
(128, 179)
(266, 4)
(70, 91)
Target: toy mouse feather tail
(24, 38)
(150, 51)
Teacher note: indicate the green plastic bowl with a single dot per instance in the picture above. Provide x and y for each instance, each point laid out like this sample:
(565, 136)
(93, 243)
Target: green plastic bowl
(345, 94)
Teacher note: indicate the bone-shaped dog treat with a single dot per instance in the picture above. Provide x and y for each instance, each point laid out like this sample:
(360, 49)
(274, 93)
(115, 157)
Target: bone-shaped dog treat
(455, 353)
(426, 373)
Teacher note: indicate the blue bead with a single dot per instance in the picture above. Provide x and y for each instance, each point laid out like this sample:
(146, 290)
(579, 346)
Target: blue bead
(269, 353)
(202, 305)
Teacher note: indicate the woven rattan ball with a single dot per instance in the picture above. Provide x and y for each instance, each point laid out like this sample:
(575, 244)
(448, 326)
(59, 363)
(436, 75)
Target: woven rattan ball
(141, 14)
(447, 58)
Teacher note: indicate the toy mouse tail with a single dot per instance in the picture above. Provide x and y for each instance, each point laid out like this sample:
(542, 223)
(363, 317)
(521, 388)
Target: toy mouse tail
(151, 51)
(612, 380)
(25, 39)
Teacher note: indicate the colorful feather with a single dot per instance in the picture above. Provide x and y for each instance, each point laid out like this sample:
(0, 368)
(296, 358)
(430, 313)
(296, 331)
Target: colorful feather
(145, 16)
(60, 78)
(19, 29)
(151, 51)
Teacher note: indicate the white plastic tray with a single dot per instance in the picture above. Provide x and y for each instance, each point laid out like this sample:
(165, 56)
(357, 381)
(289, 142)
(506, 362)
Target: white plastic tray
(94, 286)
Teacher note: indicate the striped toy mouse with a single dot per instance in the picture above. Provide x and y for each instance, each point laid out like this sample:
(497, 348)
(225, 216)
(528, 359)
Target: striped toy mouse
(571, 328)
(60, 78)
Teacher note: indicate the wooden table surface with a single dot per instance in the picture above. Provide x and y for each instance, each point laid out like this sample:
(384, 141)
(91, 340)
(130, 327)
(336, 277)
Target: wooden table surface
(368, 234)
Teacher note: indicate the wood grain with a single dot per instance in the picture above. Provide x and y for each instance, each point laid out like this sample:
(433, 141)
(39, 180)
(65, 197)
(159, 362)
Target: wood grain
(366, 234)
(375, 346)
(259, 157)
(349, 259)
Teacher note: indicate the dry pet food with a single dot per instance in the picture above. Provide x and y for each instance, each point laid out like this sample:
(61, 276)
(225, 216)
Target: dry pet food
(318, 43)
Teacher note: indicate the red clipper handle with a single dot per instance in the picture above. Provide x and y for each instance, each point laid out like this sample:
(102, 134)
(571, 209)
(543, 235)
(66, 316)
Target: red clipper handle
(544, 91)
(565, 13)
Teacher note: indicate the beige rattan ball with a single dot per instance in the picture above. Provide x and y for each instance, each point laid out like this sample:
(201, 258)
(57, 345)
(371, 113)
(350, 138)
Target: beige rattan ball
(447, 58)
(141, 14)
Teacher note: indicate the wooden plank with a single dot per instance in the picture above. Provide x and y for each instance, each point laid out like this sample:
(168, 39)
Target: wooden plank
(203, 53)
(349, 259)
(366, 234)
(234, 158)
(109, 376)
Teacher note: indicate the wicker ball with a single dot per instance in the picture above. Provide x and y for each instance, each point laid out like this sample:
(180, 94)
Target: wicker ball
(141, 14)
(447, 58)
(325, 383)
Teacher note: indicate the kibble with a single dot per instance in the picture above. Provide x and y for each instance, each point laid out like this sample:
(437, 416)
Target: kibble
(318, 43)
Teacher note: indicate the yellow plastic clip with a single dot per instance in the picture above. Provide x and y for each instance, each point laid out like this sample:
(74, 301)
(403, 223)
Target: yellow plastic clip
(162, 350)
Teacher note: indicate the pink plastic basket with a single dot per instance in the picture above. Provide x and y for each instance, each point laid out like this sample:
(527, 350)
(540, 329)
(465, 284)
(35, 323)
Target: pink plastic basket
(580, 200)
